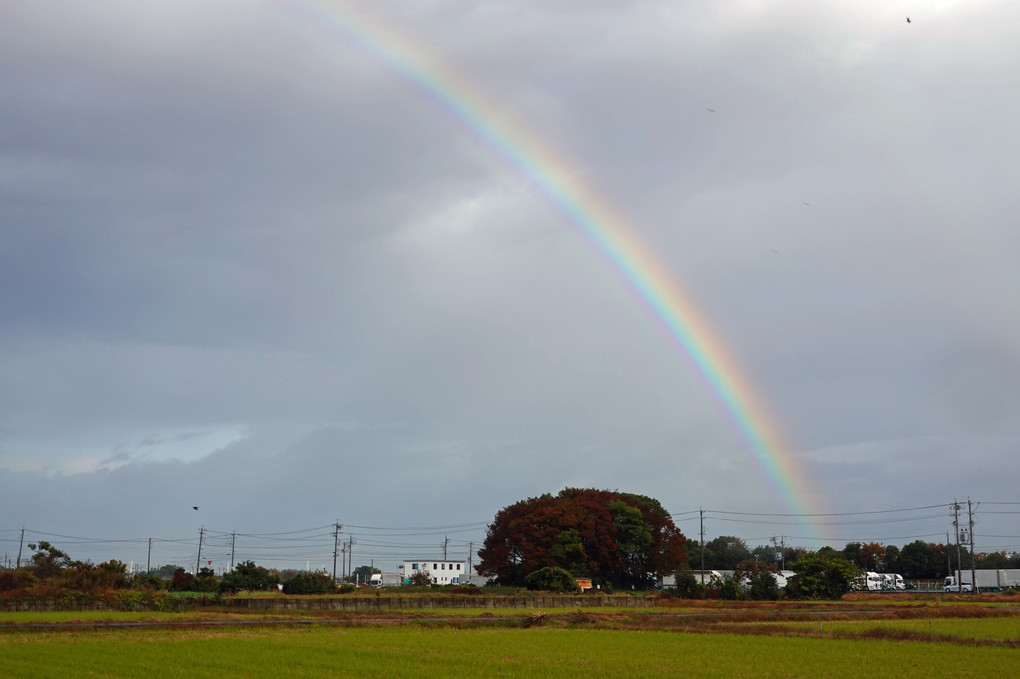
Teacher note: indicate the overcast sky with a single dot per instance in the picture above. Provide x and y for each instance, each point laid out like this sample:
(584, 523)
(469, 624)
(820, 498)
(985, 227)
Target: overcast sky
(247, 265)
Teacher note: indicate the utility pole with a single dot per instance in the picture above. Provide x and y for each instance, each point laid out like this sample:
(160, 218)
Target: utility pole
(780, 548)
(471, 552)
(198, 560)
(343, 559)
(446, 542)
(701, 514)
(20, 543)
(336, 544)
(949, 559)
(350, 555)
(148, 558)
(970, 525)
(959, 562)
(233, 541)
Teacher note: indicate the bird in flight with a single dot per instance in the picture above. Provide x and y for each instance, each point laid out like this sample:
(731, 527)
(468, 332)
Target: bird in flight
(908, 20)
(710, 109)
(195, 508)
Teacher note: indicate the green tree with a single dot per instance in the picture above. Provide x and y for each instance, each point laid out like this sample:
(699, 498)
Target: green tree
(892, 559)
(86, 577)
(687, 586)
(48, 561)
(568, 551)
(552, 579)
(363, 573)
(729, 589)
(791, 554)
(420, 579)
(113, 574)
(920, 559)
(852, 552)
(310, 583)
(633, 538)
(149, 581)
(617, 539)
(822, 575)
(963, 555)
(205, 581)
(993, 560)
(288, 573)
(725, 552)
(81, 577)
(246, 576)
(765, 554)
(760, 579)
(167, 571)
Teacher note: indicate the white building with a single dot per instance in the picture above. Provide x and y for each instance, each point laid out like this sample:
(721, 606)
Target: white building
(442, 571)
(709, 577)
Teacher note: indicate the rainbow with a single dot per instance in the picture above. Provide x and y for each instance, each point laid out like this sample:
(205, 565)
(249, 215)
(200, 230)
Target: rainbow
(596, 221)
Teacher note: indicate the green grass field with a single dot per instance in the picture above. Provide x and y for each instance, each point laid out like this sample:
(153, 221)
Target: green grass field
(399, 651)
(1001, 628)
(868, 640)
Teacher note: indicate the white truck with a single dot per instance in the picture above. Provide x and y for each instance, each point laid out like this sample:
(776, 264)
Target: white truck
(988, 579)
(871, 581)
(783, 578)
(892, 582)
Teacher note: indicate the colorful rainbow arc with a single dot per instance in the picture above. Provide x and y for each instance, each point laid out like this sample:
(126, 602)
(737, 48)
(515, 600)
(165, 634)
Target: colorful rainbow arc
(596, 221)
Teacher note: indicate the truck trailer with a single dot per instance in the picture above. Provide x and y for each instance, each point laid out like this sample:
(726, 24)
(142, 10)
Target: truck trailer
(988, 580)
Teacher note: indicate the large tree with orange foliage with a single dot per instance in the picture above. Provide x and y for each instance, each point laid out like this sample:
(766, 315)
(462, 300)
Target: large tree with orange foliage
(614, 538)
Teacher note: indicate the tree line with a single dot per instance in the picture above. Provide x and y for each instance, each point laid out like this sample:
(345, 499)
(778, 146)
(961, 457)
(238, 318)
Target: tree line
(608, 538)
(52, 573)
(623, 540)
(918, 560)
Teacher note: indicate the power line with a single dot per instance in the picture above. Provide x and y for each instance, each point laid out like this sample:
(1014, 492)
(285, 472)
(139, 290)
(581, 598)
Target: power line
(396, 542)
(878, 511)
(425, 528)
(827, 523)
(893, 537)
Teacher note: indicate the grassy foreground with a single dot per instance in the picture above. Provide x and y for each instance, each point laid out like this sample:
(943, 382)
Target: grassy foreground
(447, 651)
(963, 630)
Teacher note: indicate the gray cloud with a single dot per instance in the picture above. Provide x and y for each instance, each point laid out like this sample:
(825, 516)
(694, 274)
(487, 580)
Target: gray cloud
(244, 265)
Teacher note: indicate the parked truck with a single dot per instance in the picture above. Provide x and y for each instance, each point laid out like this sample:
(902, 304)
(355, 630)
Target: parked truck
(892, 582)
(869, 581)
(988, 580)
(1010, 577)
(783, 578)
